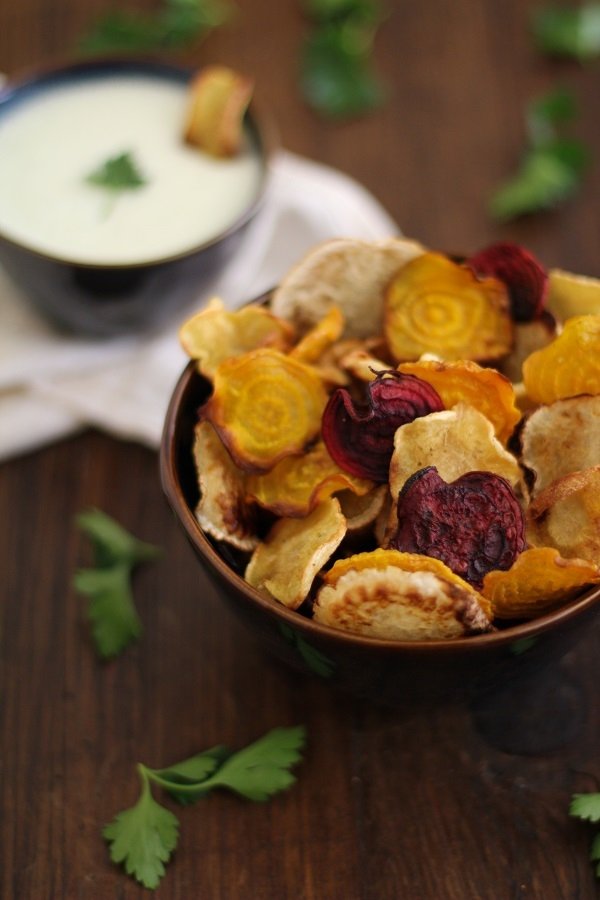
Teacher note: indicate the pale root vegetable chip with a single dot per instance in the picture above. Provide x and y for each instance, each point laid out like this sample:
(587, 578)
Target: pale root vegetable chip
(566, 515)
(347, 273)
(568, 366)
(363, 510)
(320, 337)
(216, 334)
(560, 438)
(222, 511)
(467, 382)
(295, 550)
(537, 582)
(219, 97)
(265, 406)
(394, 604)
(572, 295)
(434, 305)
(529, 337)
(362, 365)
(455, 441)
(297, 484)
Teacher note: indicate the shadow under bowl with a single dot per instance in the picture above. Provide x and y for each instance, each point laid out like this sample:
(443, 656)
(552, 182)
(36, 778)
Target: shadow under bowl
(105, 300)
(411, 676)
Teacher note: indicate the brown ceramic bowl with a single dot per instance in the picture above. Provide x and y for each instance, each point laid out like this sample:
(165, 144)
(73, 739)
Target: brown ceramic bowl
(409, 675)
(110, 299)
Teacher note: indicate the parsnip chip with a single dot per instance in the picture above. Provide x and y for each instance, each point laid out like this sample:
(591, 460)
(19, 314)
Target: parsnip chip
(456, 441)
(297, 484)
(566, 515)
(568, 366)
(434, 305)
(222, 511)
(572, 295)
(215, 334)
(295, 550)
(362, 510)
(320, 337)
(394, 604)
(560, 438)
(219, 97)
(347, 273)
(539, 581)
(464, 381)
(529, 337)
(265, 406)
(362, 365)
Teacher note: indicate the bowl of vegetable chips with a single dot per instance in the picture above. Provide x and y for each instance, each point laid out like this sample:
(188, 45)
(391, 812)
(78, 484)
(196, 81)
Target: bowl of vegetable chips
(390, 465)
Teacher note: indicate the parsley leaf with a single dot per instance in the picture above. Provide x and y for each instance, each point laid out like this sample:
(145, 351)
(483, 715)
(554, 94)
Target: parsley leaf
(119, 173)
(336, 77)
(568, 31)
(552, 165)
(111, 611)
(143, 837)
(587, 808)
(177, 23)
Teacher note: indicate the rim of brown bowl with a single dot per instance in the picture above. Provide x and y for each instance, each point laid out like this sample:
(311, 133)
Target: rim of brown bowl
(261, 123)
(174, 491)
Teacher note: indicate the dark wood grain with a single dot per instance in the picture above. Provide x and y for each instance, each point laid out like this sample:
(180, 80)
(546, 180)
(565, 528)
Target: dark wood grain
(384, 808)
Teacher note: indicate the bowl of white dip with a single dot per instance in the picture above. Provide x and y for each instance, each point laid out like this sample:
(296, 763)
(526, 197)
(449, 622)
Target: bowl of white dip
(106, 260)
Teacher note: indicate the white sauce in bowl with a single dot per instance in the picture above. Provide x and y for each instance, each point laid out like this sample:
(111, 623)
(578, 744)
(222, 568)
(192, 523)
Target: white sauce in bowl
(51, 142)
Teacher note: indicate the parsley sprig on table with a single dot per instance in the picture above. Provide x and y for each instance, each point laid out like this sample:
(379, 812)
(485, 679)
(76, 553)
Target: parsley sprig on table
(568, 31)
(111, 610)
(587, 808)
(552, 165)
(143, 837)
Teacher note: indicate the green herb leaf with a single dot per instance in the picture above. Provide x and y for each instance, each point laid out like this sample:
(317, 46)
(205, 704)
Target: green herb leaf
(586, 807)
(120, 173)
(595, 853)
(112, 543)
(190, 774)
(568, 31)
(177, 23)
(545, 113)
(143, 837)
(262, 768)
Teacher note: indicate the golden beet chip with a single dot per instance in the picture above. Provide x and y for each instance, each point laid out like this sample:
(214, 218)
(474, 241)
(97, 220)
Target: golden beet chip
(537, 582)
(570, 365)
(347, 273)
(286, 563)
(560, 438)
(566, 515)
(222, 510)
(298, 483)
(320, 337)
(572, 295)
(265, 406)
(464, 381)
(215, 334)
(435, 306)
(395, 604)
(456, 441)
(219, 97)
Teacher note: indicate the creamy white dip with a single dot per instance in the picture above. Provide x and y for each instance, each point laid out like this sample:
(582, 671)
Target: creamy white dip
(51, 142)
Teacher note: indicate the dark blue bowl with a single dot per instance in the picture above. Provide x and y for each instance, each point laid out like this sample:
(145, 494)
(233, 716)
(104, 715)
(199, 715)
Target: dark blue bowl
(106, 300)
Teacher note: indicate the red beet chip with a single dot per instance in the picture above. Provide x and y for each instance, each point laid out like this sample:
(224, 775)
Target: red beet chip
(361, 440)
(474, 524)
(524, 277)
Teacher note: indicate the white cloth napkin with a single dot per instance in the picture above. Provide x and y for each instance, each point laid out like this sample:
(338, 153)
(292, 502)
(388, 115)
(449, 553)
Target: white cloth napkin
(52, 385)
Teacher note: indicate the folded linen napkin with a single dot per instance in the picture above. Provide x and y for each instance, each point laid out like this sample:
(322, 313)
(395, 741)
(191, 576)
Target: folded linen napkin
(52, 385)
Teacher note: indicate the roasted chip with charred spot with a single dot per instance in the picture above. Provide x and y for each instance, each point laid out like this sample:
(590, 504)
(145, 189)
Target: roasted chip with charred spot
(265, 406)
(362, 510)
(361, 440)
(222, 511)
(467, 382)
(521, 272)
(394, 604)
(537, 582)
(320, 337)
(409, 562)
(295, 550)
(298, 483)
(345, 272)
(474, 524)
(560, 438)
(215, 334)
(435, 306)
(456, 441)
(570, 365)
(566, 515)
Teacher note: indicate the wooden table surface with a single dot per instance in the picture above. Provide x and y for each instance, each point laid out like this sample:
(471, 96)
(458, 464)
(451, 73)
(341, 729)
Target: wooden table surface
(433, 808)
